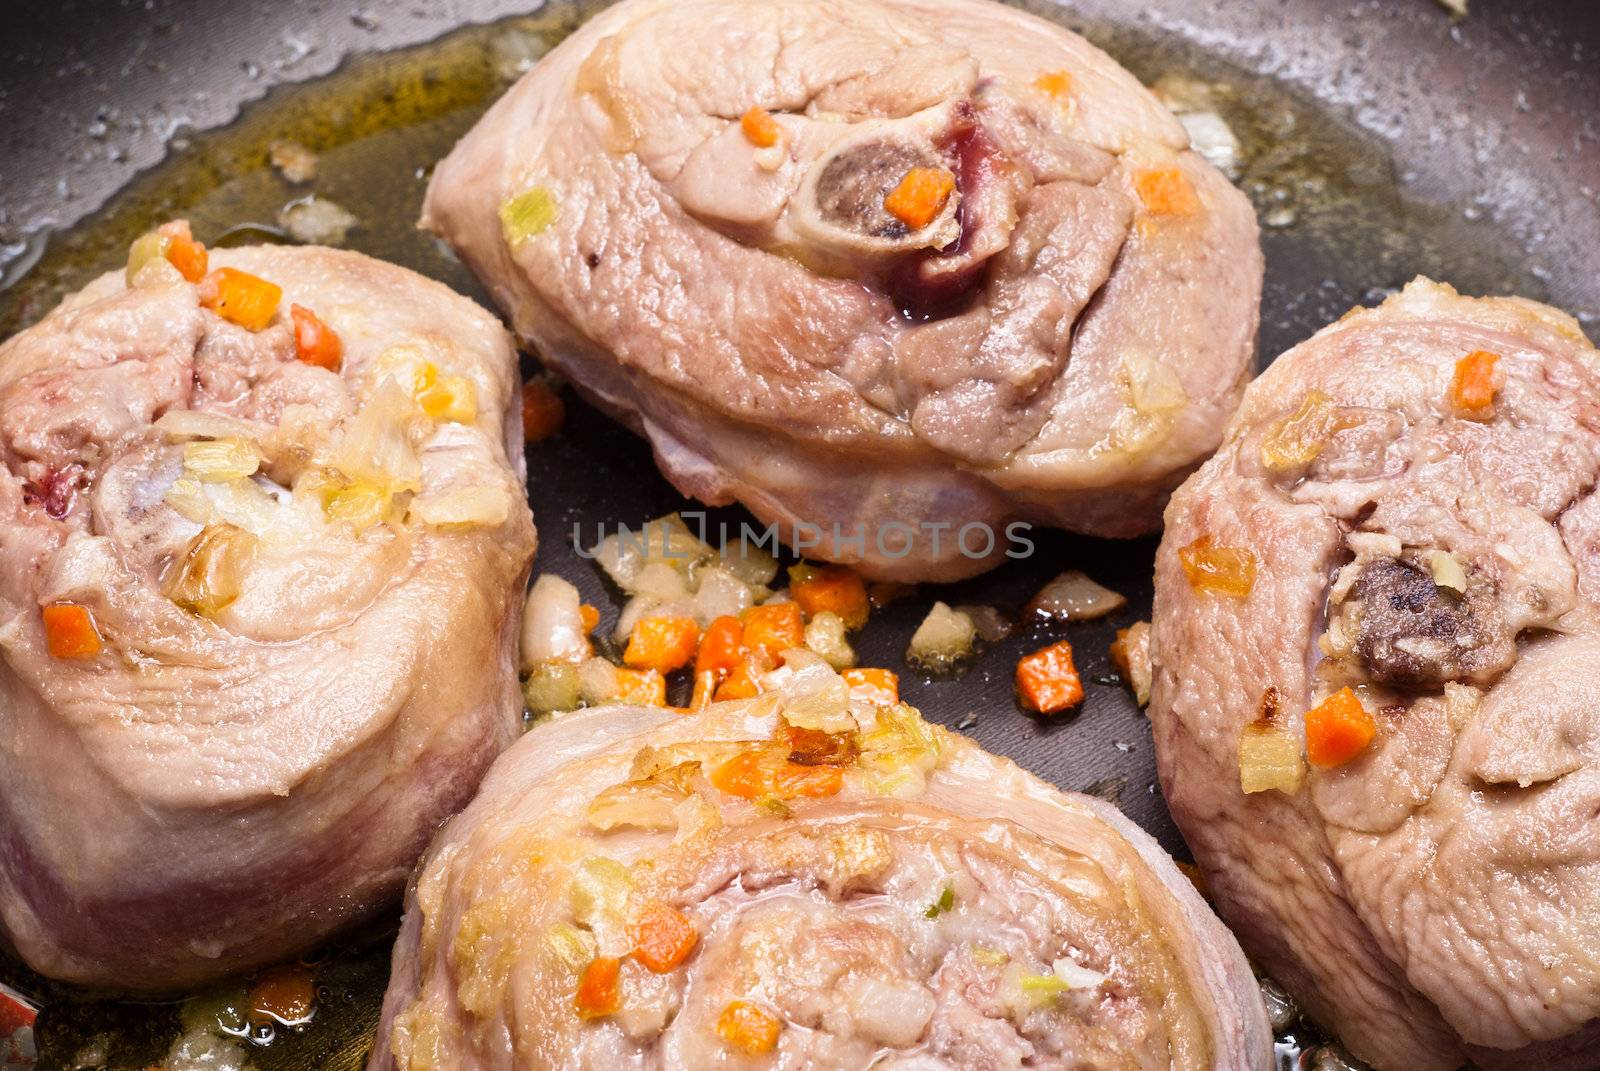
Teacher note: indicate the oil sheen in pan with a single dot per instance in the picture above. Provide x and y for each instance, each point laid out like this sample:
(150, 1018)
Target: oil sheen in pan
(1337, 228)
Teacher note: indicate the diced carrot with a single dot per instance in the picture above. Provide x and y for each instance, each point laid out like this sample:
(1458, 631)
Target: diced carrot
(1474, 385)
(284, 995)
(767, 773)
(920, 196)
(878, 686)
(598, 993)
(445, 397)
(662, 643)
(832, 589)
(772, 629)
(1224, 570)
(183, 252)
(641, 687)
(663, 937)
(1338, 729)
(721, 656)
(722, 647)
(1054, 83)
(240, 298)
(749, 1028)
(543, 411)
(1166, 192)
(741, 684)
(1047, 680)
(760, 128)
(314, 341)
(589, 616)
(69, 631)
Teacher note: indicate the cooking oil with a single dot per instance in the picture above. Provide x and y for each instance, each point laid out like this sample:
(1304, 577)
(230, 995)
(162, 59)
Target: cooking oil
(1338, 228)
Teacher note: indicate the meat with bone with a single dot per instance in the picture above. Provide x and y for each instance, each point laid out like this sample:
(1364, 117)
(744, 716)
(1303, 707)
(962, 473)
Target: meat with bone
(868, 265)
(257, 615)
(786, 881)
(1405, 507)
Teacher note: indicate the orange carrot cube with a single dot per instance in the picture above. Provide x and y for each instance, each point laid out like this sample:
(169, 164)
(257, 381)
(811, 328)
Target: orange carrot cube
(1338, 729)
(760, 128)
(543, 412)
(1166, 192)
(831, 589)
(69, 631)
(1047, 681)
(1475, 384)
(749, 1028)
(241, 298)
(314, 341)
(663, 938)
(598, 993)
(920, 196)
(662, 643)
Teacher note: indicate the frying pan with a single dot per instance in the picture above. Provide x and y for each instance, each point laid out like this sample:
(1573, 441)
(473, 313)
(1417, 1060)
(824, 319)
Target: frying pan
(1383, 138)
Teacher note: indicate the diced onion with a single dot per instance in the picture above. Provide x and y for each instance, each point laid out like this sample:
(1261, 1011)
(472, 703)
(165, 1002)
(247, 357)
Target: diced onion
(242, 503)
(528, 214)
(635, 804)
(1212, 138)
(1447, 571)
(317, 221)
(944, 638)
(179, 424)
(148, 248)
(1269, 758)
(658, 580)
(750, 563)
(551, 688)
(358, 503)
(572, 946)
(640, 607)
(1072, 596)
(188, 498)
(552, 624)
(210, 575)
(991, 624)
(220, 460)
(813, 695)
(825, 635)
(598, 682)
(599, 898)
(1153, 392)
(666, 540)
(377, 443)
(1131, 655)
(898, 752)
(484, 505)
(1076, 975)
(719, 593)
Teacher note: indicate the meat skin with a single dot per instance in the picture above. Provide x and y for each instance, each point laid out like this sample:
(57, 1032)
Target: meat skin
(211, 793)
(1431, 900)
(1049, 349)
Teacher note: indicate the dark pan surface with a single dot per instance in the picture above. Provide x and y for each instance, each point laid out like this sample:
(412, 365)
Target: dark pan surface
(1383, 140)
